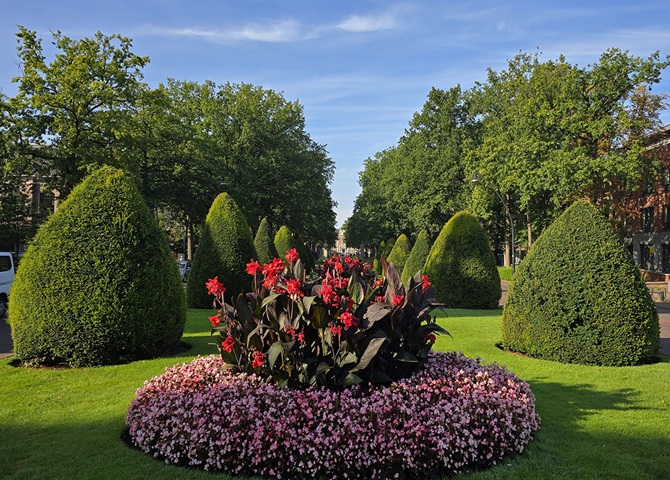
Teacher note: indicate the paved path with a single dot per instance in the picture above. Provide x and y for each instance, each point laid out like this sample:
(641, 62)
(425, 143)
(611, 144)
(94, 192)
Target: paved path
(663, 309)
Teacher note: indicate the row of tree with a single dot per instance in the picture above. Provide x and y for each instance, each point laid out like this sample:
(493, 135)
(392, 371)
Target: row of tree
(182, 140)
(537, 135)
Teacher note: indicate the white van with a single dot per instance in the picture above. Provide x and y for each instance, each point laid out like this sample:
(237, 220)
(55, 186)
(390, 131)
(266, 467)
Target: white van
(6, 279)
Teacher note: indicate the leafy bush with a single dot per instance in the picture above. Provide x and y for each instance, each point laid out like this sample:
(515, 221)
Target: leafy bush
(400, 252)
(345, 328)
(578, 297)
(98, 284)
(377, 261)
(452, 415)
(462, 267)
(284, 241)
(225, 247)
(417, 257)
(264, 243)
(505, 273)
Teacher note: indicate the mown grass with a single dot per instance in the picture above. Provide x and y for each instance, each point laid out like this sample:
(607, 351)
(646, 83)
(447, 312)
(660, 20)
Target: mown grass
(597, 422)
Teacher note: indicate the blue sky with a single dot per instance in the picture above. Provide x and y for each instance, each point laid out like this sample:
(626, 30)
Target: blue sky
(359, 68)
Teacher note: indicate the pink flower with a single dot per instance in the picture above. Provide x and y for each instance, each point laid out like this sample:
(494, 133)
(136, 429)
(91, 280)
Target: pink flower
(215, 320)
(253, 267)
(292, 255)
(301, 337)
(214, 287)
(348, 320)
(228, 344)
(336, 330)
(379, 298)
(258, 359)
(397, 301)
(425, 283)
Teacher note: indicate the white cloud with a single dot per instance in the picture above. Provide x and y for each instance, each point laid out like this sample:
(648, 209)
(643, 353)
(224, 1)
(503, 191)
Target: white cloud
(283, 31)
(359, 24)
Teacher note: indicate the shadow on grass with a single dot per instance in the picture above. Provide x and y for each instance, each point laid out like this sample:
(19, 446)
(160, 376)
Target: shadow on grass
(590, 433)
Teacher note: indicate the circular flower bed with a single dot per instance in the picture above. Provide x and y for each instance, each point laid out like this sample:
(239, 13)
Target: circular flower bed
(452, 415)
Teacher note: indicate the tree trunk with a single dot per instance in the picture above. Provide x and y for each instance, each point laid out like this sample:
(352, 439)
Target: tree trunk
(530, 230)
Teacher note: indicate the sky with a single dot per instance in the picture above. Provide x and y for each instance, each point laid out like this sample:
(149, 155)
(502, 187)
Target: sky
(359, 68)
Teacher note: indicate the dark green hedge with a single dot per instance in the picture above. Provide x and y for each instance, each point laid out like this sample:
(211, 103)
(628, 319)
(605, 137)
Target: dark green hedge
(400, 252)
(264, 243)
(578, 297)
(417, 257)
(462, 267)
(98, 284)
(224, 249)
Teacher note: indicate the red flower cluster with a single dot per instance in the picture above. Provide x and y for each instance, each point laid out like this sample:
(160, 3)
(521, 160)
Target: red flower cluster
(271, 272)
(292, 255)
(215, 320)
(253, 267)
(397, 301)
(228, 344)
(293, 289)
(214, 287)
(258, 359)
(348, 320)
(425, 283)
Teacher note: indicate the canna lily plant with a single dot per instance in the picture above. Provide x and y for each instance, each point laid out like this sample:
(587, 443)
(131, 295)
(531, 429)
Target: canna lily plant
(346, 327)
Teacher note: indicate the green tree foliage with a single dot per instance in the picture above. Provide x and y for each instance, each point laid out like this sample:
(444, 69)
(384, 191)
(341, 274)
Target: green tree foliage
(273, 167)
(97, 285)
(264, 243)
(579, 298)
(462, 267)
(417, 257)
(225, 248)
(398, 255)
(72, 109)
(284, 241)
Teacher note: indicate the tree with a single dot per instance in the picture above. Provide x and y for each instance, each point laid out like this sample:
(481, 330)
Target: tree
(225, 248)
(98, 285)
(417, 257)
(264, 243)
(579, 298)
(284, 241)
(73, 108)
(461, 265)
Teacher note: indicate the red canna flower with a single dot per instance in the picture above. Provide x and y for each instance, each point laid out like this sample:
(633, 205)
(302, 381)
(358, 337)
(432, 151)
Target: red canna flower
(301, 337)
(348, 320)
(431, 338)
(228, 344)
(425, 283)
(336, 330)
(292, 255)
(258, 359)
(253, 267)
(397, 301)
(379, 298)
(214, 287)
(293, 289)
(215, 320)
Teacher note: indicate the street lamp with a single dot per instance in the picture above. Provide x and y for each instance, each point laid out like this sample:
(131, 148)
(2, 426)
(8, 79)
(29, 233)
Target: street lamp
(475, 179)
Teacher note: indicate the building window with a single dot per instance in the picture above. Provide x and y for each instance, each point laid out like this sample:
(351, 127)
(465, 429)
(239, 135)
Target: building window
(665, 249)
(46, 202)
(647, 219)
(646, 257)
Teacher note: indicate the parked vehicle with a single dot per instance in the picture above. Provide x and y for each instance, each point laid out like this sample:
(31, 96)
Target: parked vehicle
(184, 269)
(6, 279)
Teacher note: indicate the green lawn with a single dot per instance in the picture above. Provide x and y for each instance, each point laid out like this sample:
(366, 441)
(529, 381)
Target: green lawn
(597, 422)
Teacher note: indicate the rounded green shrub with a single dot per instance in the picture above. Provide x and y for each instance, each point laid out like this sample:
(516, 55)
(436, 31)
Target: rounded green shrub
(98, 284)
(224, 249)
(462, 267)
(400, 252)
(264, 243)
(578, 297)
(417, 257)
(377, 261)
(284, 241)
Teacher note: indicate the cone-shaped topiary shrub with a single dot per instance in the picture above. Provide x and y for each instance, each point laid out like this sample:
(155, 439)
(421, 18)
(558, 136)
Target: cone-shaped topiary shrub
(284, 241)
(98, 284)
(264, 243)
(417, 257)
(377, 261)
(462, 267)
(224, 249)
(579, 298)
(400, 252)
